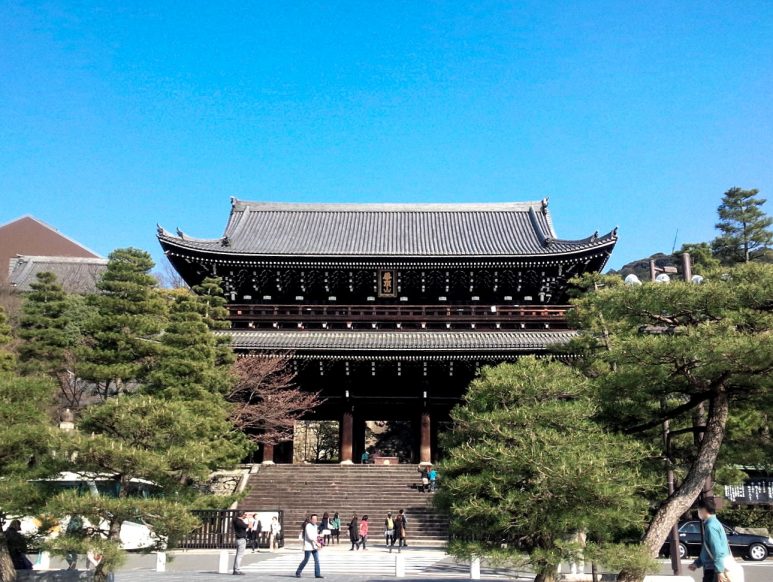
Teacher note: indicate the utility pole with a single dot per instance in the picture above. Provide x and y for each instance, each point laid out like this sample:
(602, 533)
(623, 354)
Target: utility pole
(673, 538)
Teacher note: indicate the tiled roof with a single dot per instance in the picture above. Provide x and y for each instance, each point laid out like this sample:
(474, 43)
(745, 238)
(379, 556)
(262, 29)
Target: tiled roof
(399, 230)
(75, 274)
(397, 341)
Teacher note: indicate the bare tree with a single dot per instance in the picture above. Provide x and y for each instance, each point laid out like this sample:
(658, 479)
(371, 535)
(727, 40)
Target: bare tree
(168, 277)
(267, 400)
(11, 301)
(72, 389)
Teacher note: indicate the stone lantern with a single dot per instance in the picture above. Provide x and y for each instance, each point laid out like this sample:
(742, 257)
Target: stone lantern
(67, 420)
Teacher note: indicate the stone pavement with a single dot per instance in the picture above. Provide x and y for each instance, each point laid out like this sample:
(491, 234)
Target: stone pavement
(338, 565)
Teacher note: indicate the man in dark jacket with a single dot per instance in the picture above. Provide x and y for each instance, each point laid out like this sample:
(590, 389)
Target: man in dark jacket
(354, 531)
(17, 546)
(401, 533)
(240, 532)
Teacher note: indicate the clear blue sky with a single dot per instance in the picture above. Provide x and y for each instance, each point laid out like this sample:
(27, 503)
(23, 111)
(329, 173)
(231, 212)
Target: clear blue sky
(118, 115)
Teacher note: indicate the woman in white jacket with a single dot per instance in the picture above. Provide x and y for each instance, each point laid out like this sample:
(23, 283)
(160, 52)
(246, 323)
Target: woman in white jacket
(310, 547)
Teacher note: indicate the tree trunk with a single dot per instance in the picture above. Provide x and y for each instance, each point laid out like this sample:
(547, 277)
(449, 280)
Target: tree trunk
(103, 569)
(682, 499)
(101, 573)
(7, 571)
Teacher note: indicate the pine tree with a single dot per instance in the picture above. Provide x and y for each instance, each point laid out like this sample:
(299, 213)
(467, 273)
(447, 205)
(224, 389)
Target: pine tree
(189, 364)
(169, 445)
(216, 317)
(745, 227)
(25, 438)
(527, 468)
(122, 336)
(44, 327)
(667, 352)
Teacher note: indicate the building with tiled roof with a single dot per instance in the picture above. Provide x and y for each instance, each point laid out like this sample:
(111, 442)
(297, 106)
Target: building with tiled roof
(74, 274)
(29, 236)
(389, 309)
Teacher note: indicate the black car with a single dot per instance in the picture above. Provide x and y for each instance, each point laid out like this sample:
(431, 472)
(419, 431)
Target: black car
(747, 546)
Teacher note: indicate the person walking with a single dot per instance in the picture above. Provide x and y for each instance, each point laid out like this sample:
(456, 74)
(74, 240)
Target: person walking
(310, 547)
(424, 473)
(401, 533)
(335, 527)
(254, 531)
(715, 558)
(389, 531)
(240, 532)
(363, 533)
(274, 532)
(354, 531)
(432, 479)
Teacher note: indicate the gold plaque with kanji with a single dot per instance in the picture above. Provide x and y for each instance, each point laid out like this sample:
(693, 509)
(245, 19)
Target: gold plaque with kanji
(387, 283)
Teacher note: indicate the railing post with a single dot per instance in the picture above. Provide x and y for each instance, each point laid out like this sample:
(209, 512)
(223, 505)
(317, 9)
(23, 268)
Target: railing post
(399, 566)
(475, 568)
(160, 561)
(222, 565)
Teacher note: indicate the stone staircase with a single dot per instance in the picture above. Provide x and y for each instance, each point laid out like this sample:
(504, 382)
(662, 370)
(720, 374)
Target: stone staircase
(370, 490)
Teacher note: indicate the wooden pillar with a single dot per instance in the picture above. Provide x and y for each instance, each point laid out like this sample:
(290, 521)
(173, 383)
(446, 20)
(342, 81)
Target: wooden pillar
(347, 438)
(268, 454)
(425, 449)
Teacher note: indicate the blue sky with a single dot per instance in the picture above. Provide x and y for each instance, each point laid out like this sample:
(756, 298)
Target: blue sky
(118, 115)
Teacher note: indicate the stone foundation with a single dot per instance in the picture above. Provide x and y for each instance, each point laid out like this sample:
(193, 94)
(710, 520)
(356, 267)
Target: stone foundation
(224, 483)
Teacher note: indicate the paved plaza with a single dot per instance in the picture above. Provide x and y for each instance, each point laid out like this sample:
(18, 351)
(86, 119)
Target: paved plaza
(339, 565)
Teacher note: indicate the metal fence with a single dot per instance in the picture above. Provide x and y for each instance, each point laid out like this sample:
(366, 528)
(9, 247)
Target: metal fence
(216, 530)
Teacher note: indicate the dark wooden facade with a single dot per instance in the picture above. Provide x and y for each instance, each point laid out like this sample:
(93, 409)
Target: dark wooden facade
(390, 309)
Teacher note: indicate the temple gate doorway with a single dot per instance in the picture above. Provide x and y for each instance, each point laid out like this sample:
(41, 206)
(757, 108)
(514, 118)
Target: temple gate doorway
(391, 441)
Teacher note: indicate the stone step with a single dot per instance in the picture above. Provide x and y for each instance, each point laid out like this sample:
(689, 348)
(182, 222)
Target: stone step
(362, 489)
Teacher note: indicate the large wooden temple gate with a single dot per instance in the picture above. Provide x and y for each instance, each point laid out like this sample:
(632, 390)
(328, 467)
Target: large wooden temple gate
(389, 309)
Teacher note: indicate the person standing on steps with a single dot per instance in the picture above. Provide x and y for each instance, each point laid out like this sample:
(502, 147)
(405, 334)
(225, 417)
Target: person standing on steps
(363, 533)
(240, 532)
(310, 547)
(424, 474)
(335, 527)
(389, 531)
(432, 480)
(354, 531)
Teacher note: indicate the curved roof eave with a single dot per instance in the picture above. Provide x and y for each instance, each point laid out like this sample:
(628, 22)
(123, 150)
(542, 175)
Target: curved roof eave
(216, 247)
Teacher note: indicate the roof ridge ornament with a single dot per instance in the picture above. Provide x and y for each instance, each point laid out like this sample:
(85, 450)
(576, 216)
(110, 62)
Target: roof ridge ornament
(180, 233)
(544, 203)
(544, 238)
